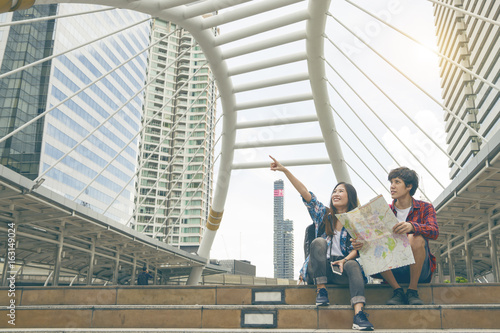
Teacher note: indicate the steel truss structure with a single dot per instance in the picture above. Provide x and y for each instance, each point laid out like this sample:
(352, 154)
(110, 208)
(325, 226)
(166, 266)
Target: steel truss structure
(74, 244)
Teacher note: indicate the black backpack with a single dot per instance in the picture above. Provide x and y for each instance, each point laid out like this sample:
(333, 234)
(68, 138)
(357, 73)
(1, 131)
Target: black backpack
(310, 235)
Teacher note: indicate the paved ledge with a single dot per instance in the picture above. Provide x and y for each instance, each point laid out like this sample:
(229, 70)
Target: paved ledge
(307, 318)
(255, 307)
(245, 331)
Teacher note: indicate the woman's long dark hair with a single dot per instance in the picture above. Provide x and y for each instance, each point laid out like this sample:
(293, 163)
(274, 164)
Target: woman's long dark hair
(330, 220)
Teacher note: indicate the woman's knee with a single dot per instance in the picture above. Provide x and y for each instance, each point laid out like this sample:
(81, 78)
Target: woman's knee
(355, 274)
(352, 266)
(319, 242)
(318, 248)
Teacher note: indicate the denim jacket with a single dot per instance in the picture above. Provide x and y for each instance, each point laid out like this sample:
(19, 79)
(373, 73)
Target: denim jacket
(317, 211)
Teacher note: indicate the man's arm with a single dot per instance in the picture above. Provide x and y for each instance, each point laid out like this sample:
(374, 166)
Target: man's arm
(428, 226)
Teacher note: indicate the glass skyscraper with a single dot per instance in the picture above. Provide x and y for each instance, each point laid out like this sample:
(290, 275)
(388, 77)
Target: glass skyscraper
(283, 236)
(23, 95)
(174, 188)
(107, 144)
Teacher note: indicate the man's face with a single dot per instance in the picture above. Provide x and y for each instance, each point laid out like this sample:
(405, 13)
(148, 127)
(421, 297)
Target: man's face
(399, 189)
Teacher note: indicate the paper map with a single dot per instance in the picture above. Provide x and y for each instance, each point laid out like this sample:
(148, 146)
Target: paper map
(382, 249)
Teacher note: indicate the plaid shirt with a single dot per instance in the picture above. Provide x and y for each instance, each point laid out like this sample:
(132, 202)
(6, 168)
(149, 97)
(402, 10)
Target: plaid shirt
(423, 218)
(317, 211)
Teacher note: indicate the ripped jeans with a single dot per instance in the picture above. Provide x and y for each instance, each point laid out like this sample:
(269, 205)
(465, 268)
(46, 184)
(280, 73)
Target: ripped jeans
(319, 271)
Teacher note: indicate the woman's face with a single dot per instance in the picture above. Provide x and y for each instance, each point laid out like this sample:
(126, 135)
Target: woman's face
(340, 198)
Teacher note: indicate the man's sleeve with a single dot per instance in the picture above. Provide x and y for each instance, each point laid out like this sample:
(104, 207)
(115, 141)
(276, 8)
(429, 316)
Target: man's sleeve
(428, 226)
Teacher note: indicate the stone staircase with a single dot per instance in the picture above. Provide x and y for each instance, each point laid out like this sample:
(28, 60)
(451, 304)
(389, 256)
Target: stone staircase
(243, 308)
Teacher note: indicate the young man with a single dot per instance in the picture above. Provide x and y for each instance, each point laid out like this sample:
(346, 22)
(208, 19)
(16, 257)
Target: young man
(417, 219)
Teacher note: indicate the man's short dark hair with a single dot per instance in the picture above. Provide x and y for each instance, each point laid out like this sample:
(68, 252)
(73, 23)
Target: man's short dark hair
(409, 176)
(144, 268)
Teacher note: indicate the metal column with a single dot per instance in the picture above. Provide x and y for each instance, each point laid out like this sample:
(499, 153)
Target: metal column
(451, 266)
(493, 251)
(155, 276)
(469, 267)
(90, 272)
(59, 256)
(134, 267)
(440, 267)
(117, 267)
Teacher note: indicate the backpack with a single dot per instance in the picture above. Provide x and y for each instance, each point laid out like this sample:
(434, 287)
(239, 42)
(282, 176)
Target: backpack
(310, 235)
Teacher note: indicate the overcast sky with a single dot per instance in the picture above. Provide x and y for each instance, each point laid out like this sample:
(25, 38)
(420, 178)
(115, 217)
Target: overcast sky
(246, 230)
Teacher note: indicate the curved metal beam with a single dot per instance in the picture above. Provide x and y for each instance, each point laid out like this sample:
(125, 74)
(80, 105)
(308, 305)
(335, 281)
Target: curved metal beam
(316, 65)
(13, 5)
(206, 41)
(177, 12)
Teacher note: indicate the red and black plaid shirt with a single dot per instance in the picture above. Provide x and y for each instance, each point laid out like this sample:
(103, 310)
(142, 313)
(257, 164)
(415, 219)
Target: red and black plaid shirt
(423, 218)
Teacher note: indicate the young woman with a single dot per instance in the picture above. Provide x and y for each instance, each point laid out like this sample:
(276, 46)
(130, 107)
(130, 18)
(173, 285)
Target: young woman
(333, 248)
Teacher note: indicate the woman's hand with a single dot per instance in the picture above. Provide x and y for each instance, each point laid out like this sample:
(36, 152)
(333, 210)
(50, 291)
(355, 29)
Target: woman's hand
(356, 245)
(339, 263)
(276, 166)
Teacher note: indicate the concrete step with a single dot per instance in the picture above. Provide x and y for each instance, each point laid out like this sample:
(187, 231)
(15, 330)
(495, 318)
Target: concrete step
(472, 316)
(237, 308)
(242, 330)
(436, 294)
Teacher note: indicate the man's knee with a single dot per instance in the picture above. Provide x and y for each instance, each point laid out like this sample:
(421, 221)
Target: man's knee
(417, 242)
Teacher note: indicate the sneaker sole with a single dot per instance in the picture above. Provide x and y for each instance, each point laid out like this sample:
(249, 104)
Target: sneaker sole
(359, 328)
(322, 304)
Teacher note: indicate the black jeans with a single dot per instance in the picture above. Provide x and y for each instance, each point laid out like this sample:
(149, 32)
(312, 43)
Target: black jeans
(319, 271)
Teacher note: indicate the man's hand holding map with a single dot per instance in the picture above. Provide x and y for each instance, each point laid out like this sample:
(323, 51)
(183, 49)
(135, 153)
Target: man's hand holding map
(382, 249)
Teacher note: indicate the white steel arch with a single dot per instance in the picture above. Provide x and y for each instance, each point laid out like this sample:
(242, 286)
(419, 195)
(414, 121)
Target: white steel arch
(192, 16)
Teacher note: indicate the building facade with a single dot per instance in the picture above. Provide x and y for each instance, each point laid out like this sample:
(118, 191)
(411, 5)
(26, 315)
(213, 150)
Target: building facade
(23, 95)
(283, 237)
(238, 267)
(86, 147)
(468, 242)
(174, 186)
(473, 43)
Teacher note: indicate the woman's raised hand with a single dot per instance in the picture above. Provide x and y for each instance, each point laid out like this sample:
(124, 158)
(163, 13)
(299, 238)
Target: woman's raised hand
(275, 165)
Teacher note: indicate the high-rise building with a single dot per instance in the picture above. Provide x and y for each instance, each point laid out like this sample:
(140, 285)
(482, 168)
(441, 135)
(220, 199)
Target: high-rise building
(112, 147)
(474, 44)
(288, 253)
(24, 95)
(174, 187)
(283, 236)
